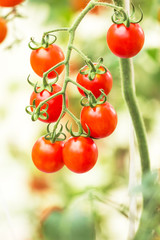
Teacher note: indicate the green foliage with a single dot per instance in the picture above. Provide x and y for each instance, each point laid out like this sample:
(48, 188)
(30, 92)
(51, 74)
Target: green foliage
(78, 225)
(145, 5)
(150, 217)
(72, 224)
(59, 11)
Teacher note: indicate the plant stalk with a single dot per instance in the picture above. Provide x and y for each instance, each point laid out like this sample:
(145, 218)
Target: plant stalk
(139, 128)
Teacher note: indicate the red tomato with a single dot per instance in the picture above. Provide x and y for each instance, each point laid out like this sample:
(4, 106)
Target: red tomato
(80, 154)
(55, 104)
(43, 59)
(47, 156)
(101, 81)
(125, 42)
(10, 3)
(101, 120)
(3, 29)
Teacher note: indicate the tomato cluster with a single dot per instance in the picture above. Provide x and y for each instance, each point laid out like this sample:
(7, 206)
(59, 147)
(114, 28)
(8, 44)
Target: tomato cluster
(49, 103)
(3, 20)
(47, 156)
(78, 153)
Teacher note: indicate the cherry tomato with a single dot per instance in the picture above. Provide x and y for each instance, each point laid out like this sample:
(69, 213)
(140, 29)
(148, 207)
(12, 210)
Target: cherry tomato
(80, 154)
(43, 59)
(3, 29)
(47, 156)
(101, 81)
(10, 3)
(125, 42)
(101, 120)
(54, 105)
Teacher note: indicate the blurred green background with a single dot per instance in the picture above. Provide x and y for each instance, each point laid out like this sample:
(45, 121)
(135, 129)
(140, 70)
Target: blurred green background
(66, 206)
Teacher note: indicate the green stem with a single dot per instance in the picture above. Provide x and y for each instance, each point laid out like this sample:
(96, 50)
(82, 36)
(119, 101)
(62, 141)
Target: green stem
(104, 4)
(51, 97)
(119, 3)
(87, 59)
(56, 30)
(130, 98)
(88, 92)
(73, 116)
(45, 74)
(78, 122)
(67, 59)
(81, 53)
(70, 46)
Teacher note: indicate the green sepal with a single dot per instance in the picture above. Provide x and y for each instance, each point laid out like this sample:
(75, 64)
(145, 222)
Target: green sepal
(80, 130)
(92, 71)
(54, 136)
(92, 101)
(37, 113)
(45, 42)
(39, 87)
(120, 17)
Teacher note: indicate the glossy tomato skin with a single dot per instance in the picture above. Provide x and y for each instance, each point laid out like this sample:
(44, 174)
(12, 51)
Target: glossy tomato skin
(43, 59)
(47, 156)
(101, 120)
(55, 104)
(100, 81)
(80, 154)
(125, 42)
(3, 29)
(10, 3)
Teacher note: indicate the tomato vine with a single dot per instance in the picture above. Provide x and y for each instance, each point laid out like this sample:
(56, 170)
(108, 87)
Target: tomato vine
(120, 19)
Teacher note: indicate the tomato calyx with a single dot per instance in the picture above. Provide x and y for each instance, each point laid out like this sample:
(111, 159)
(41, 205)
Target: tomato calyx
(92, 101)
(39, 87)
(54, 135)
(45, 42)
(121, 17)
(80, 131)
(37, 112)
(93, 69)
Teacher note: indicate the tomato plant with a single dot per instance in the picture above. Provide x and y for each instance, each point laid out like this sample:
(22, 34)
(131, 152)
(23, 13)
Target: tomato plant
(10, 3)
(101, 120)
(47, 156)
(80, 154)
(42, 59)
(54, 104)
(3, 29)
(98, 118)
(100, 81)
(125, 42)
